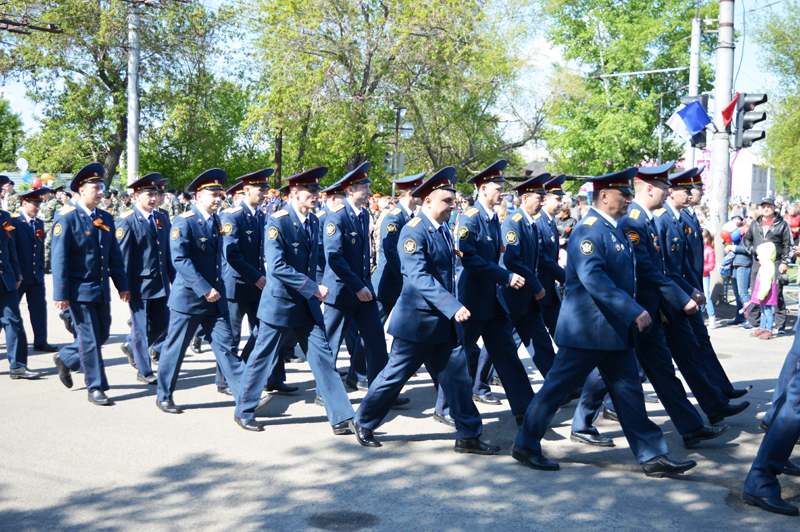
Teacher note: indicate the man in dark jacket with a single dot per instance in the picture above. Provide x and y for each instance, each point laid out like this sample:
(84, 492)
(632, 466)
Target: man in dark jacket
(770, 227)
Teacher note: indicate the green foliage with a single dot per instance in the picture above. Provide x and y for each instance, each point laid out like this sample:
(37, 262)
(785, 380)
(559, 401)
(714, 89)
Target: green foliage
(11, 135)
(598, 125)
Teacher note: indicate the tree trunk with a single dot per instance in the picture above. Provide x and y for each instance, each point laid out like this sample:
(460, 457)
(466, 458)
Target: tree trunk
(115, 148)
(278, 157)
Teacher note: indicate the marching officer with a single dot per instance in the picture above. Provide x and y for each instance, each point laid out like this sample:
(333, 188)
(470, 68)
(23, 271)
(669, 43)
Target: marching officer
(143, 237)
(427, 323)
(198, 296)
(347, 273)
(601, 288)
(47, 213)
(549, 270)
(29, 241)
(85, 255)
(478, 275)
(289, 307)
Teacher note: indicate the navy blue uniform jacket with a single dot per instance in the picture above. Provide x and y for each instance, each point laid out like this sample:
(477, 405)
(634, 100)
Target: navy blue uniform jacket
(549, 270)
(521, 240)
(387, 279)
(146, 256)
(243, 249)
(347, 255)
(29, 249)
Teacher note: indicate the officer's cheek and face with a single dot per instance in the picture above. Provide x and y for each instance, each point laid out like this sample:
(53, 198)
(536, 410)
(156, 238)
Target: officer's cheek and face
(31, 208)
(492, 192)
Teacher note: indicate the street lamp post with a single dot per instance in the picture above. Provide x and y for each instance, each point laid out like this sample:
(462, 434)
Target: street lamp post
(400, 112)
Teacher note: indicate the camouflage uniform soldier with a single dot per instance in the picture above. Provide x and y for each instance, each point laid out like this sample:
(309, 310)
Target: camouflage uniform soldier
(47, 212)
(175, 208)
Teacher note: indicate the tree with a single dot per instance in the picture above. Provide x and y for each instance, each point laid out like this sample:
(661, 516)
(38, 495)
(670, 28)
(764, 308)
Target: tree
(777, 34)
(11, 135)
(604, 125)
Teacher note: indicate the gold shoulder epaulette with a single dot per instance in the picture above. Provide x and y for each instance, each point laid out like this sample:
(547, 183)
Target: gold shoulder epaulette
(338, 208)
(634, 214)
(66, 209)
(321, 213)
(471, 212)
(517, 217)
(415, 222)
(396, 211)
(15, 215)
(234, 209)
(659, 212)
(126, 214)
(281, 214)
(590, 220)
(537, 216)
(187, 214)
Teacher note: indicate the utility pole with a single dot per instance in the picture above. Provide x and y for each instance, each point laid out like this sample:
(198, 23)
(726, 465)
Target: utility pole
(694, 69)
(134, 45)
(720, 148)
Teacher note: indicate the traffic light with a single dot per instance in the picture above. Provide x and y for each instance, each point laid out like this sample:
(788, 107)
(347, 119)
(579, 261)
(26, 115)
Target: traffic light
(746, 117)
(388, 159)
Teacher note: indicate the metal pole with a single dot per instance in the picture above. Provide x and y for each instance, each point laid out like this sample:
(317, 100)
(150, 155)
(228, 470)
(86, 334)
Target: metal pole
(720, 168)
(396, 157)
(660, 128)
(134, 21)
(694, 70)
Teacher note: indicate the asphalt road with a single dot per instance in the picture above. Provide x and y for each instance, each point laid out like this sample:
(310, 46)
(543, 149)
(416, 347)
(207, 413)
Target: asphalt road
(70, 465)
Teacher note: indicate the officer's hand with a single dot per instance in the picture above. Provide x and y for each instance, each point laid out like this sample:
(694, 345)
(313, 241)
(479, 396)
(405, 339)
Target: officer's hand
(783, 268)
(261, 283)
(62, 305)
(729, 249)
(540, 295)
(691, 307)
(462, 314)
(125, 297)
(212, 295)
(322, 292)
(643, 320)
(517, 281)
(19, 282)
(699, 297)
(364, 295)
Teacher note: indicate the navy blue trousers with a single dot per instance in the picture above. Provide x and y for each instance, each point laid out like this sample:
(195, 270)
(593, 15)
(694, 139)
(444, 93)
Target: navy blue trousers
(447, 360)
(619, 371)
(16, 339)
(778, 442)
(367, 318)
(182, 328)
(656, 360)
(149, 323)
(35, 294)
(709, 358)
(358, 359)
(92, 322)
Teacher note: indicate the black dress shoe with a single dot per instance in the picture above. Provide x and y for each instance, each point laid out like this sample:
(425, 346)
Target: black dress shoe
(318, 400)
(703, 433)
(650, 398)
(741, 392)
(534, 461)
(610, 414)
(97, 397)
(66, 318)
(520, 419)
(364, 436)
(791, 469)
(249, 424)
(444, 420)
(24, 373)
(486, 398)
(401, 401)
(763, 426)
(129, 322)
(661, 466)
(292, 359)
(169, 407)
(775, 505)
(195, 345)
(155, 356)
(342, 372)
(280, 388)
(475, 446)
(63, 371)
(264, 401)
(147, 379)
(728, 411)
(340, 429)
(128, 350)
(496, 381)
(360, 386)
(224, 391)
(47, 348)
(590, 438)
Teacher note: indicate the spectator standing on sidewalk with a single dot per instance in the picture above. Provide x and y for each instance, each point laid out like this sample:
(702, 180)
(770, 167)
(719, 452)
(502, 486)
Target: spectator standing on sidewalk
(765, 291)
(709, 263)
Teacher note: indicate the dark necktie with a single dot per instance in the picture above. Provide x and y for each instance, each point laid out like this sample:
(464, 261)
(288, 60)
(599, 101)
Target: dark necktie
(495, 223)
(443, 231)
(307, 227)
(362, 218)
(33, 226)
(212, 222)
(153, 227)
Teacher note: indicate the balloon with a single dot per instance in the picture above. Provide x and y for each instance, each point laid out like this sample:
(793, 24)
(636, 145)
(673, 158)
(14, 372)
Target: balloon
(36, 183)
(46, 177)
(25, 176)
(22, 164)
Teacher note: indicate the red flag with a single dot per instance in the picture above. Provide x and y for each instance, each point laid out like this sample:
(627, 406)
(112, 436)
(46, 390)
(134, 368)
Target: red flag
(727, 113)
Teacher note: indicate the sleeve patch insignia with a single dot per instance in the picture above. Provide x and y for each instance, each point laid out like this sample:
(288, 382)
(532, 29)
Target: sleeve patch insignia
(330, 229)
(391, 229)
(511, 237)
(120, 234)
(409, 246)
(272, 234)
(463, 232)
(590, 221)
(517, 217)
(635, 213)
(227, 229)
(587, 248)
(57, 230)
(176, 233)
(634, 236)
